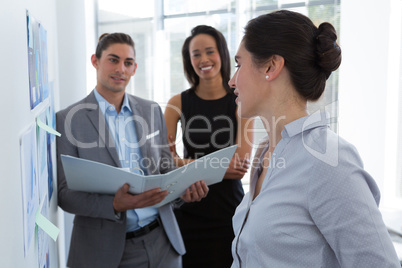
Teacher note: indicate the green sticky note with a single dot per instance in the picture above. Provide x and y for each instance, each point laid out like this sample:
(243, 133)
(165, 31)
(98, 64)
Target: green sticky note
(46, 127)
(46, 225)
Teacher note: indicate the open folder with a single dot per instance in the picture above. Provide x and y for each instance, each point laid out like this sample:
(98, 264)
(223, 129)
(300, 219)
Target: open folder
(94, 177)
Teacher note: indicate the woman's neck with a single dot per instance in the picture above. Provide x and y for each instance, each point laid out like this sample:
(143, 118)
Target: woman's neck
(210, 89)
(274, 123)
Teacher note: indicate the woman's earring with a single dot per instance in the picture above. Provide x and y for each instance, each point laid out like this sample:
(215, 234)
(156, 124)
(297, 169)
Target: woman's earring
(266, 77)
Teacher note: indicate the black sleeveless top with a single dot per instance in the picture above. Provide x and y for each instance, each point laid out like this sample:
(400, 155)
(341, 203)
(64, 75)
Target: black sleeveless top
(207, 126)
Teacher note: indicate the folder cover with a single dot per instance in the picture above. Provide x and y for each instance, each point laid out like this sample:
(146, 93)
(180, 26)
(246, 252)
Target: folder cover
(94, 177)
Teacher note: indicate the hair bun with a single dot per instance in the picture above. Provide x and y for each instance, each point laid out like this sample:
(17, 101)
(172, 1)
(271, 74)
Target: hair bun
(329, 54)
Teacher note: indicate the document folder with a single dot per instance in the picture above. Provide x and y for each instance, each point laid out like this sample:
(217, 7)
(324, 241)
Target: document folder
(94, 177)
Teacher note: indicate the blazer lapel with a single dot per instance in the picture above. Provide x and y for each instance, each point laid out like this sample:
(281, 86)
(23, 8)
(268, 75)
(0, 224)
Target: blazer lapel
(99, 123)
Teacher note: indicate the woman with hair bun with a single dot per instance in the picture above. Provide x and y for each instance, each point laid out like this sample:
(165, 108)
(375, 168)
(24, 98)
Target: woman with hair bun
(311, 203)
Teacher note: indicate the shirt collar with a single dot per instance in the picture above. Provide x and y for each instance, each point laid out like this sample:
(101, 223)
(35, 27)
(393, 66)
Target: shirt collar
(104, 104)
(317, 119)
(126, 104)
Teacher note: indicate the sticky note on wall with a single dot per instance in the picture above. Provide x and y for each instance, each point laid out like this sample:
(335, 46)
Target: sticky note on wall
(46, 225)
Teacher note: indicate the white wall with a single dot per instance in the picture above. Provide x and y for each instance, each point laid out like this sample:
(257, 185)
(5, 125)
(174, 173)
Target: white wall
(68, 30)
(16, 116)
(76, 44)
(364, 87)
(72, 50)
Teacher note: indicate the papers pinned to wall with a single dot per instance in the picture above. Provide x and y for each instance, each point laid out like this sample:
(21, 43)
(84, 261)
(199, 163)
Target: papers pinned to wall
(37, 61)
(29, 183)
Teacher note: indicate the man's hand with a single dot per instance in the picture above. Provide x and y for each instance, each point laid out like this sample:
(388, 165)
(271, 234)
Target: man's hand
(196, 192)
(123, 200)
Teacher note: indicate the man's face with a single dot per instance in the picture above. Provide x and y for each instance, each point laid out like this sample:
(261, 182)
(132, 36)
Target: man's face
(114, 68)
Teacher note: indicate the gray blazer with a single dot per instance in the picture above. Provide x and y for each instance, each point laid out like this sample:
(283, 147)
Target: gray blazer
(98, 238)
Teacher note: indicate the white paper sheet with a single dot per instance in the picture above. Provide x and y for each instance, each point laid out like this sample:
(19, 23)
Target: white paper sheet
(42, 158)
(43, 238)
(89, 176)
(29, 183)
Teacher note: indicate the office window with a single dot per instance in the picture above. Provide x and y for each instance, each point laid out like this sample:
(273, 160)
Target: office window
(135, 18)
(124, 10)
(178, 7)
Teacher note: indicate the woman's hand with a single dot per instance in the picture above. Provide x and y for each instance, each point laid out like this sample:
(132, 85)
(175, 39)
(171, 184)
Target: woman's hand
(179, 162)
(172, 147)
(237, 168)
(196, 192)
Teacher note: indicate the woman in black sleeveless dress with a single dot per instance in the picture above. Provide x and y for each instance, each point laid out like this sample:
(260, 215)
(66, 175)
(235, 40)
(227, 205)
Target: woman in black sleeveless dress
(208, 116)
